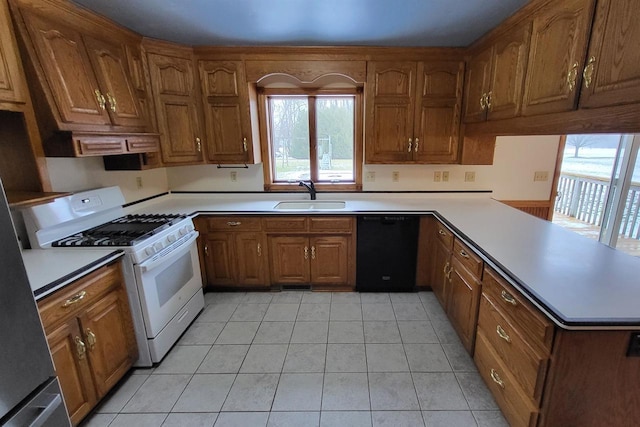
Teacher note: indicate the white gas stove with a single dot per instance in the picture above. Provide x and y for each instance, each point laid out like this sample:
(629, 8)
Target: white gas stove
(161, 266)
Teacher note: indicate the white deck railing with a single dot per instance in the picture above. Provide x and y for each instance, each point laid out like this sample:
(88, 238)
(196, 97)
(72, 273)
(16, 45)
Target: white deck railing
(583, 197)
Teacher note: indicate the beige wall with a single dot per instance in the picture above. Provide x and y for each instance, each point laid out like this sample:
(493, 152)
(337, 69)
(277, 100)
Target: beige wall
(510, 177)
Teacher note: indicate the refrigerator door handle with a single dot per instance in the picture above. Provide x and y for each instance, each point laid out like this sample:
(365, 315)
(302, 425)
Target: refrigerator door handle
(47, 409)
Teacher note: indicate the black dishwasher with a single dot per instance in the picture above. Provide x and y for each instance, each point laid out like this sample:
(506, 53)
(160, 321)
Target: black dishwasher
(386, 253)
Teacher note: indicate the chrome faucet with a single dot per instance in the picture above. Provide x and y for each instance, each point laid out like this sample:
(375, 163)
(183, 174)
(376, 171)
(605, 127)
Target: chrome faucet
(310, 187)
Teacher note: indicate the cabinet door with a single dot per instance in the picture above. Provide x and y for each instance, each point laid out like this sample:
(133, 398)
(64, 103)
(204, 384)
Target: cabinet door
(477, 85)
(507, 75)
(107, 329)
(172, 81)
(250, 259)
(219, 252)
(11, 84)
(69, 353)
(109, 63)
(390, 109)
(330, 260)
(289, 259)
(68, 72)
(226, 110)
(556, 57)
(612, 71)
(440, 281)
(464, 298)
(438, 105)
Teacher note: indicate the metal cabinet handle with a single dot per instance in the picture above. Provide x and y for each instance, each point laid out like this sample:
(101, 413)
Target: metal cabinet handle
(508, 298)
(489, 99)
(483, 101)
(244, 144)
(415, 146)
(496, 378)
(410, 144)
(464, 254)
(572, 75)
(588, 71)
(198, 145)
(100, 98)
(234, 223)
(446, 267)
(81, 348)
(112, 102)
(206, 250)
(306, 252)
(502, 334)
(75, 299)
(313, 252)
(91, 339)
(259, 249)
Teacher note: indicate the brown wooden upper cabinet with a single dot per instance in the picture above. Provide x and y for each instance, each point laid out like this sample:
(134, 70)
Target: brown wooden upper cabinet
(495, 77)
(557, 57)
(227, 112)
(611, 75)
(11, 86)
(87, 77)
(413, 112)
(176, 103)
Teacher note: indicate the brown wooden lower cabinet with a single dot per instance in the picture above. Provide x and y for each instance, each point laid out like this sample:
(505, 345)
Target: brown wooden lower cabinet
(91, 337)
(464, 297)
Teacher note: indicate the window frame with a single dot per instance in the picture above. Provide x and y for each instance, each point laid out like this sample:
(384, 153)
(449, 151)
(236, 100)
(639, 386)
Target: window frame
(266, 145)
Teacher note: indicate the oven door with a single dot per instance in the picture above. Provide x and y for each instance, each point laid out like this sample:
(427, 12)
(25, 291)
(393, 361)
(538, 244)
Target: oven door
(166, 284)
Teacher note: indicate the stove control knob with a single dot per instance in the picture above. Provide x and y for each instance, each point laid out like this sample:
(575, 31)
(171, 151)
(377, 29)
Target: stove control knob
(150, 251)
(171, 238)
(183, 230)
(190, 227)
(158, 246)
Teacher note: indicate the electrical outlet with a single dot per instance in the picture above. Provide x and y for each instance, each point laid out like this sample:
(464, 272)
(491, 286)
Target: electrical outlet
(139, 182)
(395, 176)
(445, 176)
(469, 177)
(370, 176)
(540, 176)
(437, 176)
(233, 175)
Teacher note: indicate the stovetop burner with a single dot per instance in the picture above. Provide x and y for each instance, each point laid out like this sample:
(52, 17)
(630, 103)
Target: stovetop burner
(124, 231)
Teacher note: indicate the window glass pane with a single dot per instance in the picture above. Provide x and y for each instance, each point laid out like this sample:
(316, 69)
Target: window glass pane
(334, 129)
(289, 119)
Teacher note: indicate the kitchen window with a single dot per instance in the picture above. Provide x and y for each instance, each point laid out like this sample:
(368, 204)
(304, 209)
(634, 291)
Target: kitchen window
(312, 135)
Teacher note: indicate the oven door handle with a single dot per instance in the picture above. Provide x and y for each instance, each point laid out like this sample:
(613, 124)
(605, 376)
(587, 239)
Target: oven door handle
(181, 250)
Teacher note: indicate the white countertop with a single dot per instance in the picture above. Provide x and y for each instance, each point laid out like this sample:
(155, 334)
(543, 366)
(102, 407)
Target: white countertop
(577, 281)
(51, 269)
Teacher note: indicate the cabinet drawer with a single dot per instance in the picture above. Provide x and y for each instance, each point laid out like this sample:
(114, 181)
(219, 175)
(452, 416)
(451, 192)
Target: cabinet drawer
(468, 258)
(331, 224)
(535, 328)
(288, 224)
(526, 365)
(444, 235)
(79, 295)
(515, 405)
(98, 146)
(143, 144)
(234, 223)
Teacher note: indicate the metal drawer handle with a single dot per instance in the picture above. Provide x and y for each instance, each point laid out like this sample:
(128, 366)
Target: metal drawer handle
(259, 249)
(496, 378)
(244, 144)
(234, 223)
(502, 334)
(464, 254)
(441, 232)
(313, 252)
(508, 298)
(91, 339)
(306, 252)
(81, 348)
(75, 299)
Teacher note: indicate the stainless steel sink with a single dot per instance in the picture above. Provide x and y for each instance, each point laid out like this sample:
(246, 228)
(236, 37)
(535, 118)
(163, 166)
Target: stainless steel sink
(310, 205)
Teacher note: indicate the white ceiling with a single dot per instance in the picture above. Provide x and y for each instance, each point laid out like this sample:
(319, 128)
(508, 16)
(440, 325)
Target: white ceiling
(309, 22)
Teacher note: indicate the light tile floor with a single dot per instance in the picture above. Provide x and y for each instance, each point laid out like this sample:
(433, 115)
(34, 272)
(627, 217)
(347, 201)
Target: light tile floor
(309, 359)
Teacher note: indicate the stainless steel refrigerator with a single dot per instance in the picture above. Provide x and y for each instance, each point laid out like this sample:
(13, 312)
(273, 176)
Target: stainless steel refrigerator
(29, 391)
